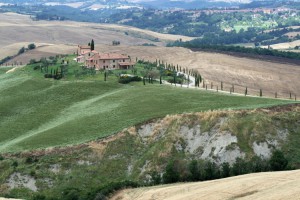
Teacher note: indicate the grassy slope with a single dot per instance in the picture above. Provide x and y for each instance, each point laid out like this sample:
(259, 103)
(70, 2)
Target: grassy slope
(127, 156)
(38, 113)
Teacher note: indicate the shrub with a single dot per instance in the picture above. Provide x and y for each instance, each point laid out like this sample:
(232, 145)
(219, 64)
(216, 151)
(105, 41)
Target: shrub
(15, 164)
(32, 61)
(278, 161)
(48, 76)
(22, 50)
(104, 191)
(31, 46)
(171, 175)
(128, 79)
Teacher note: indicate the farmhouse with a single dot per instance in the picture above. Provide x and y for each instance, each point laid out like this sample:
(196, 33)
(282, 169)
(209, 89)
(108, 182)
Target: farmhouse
(97, 60)
(82, 49)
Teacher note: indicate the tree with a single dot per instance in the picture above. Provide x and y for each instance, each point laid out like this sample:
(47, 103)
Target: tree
(239, 167)
(211, 171)
(31, 46)
(278, 161)
(260, 92)
(225, 170)
(170, 175)
(92, 45)
(22, 50)
(194, 171)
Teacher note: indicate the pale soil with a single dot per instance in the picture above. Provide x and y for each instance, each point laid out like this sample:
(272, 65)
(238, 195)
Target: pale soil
(215, 67)
(16, 28)
(43, 51)
(285, 45)
(8, 199)
(269, 185)
(293, 34)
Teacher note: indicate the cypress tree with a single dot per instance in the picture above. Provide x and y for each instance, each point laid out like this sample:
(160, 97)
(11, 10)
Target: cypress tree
(222, 86)
(92, 45)
(105, 76)
(260, 92)
(246, 91)
(144, 82)
(160, 81)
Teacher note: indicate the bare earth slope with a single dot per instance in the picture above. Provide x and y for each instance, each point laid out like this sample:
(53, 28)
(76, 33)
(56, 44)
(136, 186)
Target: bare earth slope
(270, 185)
(20, 28)
(271, 77)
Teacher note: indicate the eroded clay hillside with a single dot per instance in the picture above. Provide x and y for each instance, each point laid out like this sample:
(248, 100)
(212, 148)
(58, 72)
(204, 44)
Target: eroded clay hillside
(141, 152)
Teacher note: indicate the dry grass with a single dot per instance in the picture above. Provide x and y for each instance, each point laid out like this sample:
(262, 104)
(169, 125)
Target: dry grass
(19, 28)
(271, 77)
(269, 185)
(285, 45)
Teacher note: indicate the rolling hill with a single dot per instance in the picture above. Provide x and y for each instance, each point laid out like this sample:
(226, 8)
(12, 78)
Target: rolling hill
(271, 185)
(40, 113)
(54, 37)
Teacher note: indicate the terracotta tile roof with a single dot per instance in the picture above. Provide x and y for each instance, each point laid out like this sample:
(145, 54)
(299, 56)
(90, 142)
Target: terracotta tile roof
(112, 56)
(126, 63)
(84, 47)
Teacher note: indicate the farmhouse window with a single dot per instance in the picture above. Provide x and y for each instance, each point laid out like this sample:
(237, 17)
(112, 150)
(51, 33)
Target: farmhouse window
(113, 60)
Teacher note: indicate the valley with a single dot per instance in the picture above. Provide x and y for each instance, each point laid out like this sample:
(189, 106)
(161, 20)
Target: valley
(74, 132)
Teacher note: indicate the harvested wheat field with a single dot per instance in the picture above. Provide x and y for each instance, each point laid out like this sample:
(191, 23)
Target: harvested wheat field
(269, 185)
(15, 28)
(255, 74)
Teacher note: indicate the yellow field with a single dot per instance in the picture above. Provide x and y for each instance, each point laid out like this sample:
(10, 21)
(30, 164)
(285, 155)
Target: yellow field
(264, 186)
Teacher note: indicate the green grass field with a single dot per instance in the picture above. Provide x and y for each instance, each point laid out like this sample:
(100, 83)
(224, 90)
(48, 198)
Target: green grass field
(39, 113)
